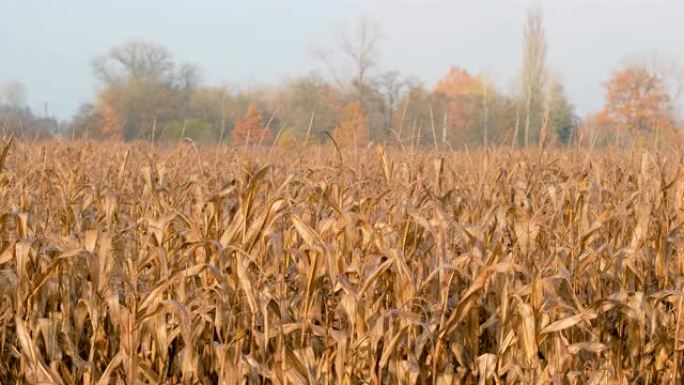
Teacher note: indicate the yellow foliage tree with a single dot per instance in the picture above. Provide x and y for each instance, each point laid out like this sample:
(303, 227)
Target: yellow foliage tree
(353, 127)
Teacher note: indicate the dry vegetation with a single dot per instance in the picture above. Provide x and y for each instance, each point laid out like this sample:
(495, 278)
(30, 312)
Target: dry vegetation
(124, 264)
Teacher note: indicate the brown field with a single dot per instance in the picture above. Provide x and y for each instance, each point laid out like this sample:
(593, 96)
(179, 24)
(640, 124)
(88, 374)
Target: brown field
(124, 264)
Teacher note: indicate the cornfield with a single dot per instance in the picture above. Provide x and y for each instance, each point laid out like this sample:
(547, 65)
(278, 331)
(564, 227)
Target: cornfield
(132, 264)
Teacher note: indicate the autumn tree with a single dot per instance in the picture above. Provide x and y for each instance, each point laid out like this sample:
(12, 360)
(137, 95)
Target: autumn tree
(95, 122)
(353, 63)
(636, 104)
(466, 102)
(352, 130)
(533, 78)
(137, 61)
(392, 86)
(249, 129)
(309, 108)
(143, 85)
(559, 115)
(358, 47)
(412, 119)
(670, 69)
(207, 115)
(83, 121)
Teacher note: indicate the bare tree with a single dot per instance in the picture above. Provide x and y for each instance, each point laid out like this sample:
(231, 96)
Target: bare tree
(392, 86)
(188, 77)
(358, 48)
(361, 46)
(533, 77)
(136, 61)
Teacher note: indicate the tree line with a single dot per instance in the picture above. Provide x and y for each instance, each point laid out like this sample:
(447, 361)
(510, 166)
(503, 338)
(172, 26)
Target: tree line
(143, 93)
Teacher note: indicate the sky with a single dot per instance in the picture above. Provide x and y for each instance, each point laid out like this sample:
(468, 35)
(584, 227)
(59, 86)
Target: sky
(49, 45)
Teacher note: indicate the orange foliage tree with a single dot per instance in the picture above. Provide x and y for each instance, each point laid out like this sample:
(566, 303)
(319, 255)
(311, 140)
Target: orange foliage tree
(636, 104)
(458, 82)
(353, 127)
(250, 129)
(462, 95)
(97, 121)
(109, 122)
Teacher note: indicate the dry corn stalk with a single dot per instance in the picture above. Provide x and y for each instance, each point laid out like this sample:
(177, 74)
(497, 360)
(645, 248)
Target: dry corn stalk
(123, 264)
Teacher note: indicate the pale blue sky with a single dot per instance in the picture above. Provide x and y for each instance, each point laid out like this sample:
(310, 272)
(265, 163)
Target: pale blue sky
(48, 45)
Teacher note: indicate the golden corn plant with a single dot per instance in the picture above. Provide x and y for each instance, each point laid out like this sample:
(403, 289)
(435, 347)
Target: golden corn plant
(130, 264)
